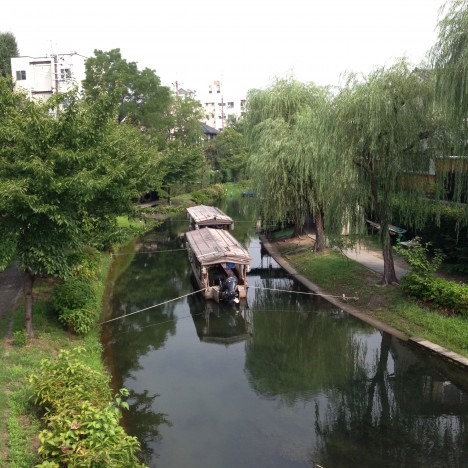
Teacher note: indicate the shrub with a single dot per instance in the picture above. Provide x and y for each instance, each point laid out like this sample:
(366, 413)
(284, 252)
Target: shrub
(448, 295)
(75, 302)
(209, 194)
(422, 283)
(82, 420)
(419, 259)
(84, 263)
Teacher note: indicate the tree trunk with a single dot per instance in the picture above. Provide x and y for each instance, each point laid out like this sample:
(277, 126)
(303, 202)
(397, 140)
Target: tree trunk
(28, 312)
(320, 235)
(389, 275)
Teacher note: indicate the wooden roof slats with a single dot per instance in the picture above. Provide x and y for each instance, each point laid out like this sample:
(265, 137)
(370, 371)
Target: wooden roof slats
(205, 215)
(212, 246)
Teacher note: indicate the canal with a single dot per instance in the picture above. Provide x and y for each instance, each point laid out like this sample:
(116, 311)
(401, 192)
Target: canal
(288, 380)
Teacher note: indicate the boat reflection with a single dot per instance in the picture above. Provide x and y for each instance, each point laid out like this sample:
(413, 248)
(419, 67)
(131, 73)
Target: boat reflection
(221, 323)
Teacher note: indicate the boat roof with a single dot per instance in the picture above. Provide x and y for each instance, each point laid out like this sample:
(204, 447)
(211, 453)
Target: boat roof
(212, 246)
(204, 215)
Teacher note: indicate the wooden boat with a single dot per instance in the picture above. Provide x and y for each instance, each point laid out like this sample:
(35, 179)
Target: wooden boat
(219, 263)
(202, 216)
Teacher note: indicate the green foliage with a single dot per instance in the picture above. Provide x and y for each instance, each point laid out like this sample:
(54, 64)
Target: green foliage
(82, 422)
(289, 133)
(182, 166)
(20, 337)
(187, 113)
(84, 263)
(450, 60)
(65, 177)
(444, 227)
(8, 49)
(423, 284)
(419, 259)
(447, 295)
(75, 302)
(209, 195)
(141, 99)
(380, 123)
(227, 153)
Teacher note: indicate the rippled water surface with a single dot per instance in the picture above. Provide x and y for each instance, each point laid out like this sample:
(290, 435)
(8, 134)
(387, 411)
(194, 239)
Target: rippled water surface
(286, 380)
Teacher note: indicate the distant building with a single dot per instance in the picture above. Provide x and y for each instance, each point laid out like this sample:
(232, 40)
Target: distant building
(41, 77)
(220, 104)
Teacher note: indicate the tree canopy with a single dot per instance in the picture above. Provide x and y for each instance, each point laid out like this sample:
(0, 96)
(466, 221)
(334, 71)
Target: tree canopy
(382, 123)
(64, 179)
(450, 60)
(227, 155)
(141, 99)
(287, 132)
(8, 49)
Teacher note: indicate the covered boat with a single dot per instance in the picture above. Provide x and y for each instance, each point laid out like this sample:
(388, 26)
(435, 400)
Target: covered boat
(219, 263)
(202, 216)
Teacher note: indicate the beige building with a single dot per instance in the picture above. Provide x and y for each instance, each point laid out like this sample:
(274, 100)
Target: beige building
(41, 77)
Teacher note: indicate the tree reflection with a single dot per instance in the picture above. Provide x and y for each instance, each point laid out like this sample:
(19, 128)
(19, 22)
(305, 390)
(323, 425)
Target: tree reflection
(144, 422)
(295, 354)
(402, 418)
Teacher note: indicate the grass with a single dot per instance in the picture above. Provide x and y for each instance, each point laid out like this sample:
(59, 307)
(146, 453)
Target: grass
(20, 425)
(339, 275)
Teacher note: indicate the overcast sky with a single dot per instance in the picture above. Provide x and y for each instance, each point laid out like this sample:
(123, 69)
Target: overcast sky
(244, 43)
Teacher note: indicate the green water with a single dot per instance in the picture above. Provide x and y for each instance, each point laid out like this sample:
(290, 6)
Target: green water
(285, 381)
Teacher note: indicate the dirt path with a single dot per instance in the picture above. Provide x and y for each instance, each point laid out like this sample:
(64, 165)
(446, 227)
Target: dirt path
(11, 284)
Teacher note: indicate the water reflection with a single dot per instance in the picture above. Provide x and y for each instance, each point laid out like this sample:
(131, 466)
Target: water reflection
(220, 323)
(286, 381)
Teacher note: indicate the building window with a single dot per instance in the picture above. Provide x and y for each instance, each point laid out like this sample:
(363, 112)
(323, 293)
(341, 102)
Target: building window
(21, 75)
(230, 105)
(65, 74)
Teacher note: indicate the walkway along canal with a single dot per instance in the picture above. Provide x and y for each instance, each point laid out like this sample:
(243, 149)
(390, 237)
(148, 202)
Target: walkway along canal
(289, 381)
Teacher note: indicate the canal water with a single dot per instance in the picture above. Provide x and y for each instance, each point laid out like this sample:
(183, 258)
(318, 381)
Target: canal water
(286, 380)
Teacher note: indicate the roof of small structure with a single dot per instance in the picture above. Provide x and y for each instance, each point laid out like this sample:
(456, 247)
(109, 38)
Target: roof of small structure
(212, 246)
(207, 130)
(204, 215)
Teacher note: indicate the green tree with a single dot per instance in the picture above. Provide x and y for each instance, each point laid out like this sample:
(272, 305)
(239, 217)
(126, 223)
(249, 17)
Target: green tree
(450, 60)
(187, 114)
(142, 100)
(182, 166)
(381, 122)
(289, 144)
(8, 49)
(63, 179)
(227, 153)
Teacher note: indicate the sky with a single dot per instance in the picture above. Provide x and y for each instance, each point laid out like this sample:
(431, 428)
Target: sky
(244, 43)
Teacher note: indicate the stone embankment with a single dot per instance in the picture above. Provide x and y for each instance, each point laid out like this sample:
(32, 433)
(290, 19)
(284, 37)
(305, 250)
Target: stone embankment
(375, 263)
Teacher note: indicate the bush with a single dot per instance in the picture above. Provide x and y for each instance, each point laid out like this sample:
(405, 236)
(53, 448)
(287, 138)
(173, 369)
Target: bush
(447, 295)
(445, 228)
(422, 283)
(75, 302)
(82, 420)
(209, 195)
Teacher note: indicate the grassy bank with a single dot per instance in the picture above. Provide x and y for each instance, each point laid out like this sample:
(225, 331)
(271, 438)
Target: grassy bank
(19, 422)
(339, 275)
(20, 425)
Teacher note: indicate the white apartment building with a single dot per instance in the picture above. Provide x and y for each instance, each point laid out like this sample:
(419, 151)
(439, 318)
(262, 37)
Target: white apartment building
(41, 77)
(219, 103)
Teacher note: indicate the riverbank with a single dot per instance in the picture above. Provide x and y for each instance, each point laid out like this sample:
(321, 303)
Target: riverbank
(354, 288)
(21, 357)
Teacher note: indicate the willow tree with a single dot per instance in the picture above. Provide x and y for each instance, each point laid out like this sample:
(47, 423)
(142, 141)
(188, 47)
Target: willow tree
(287, 147)
(382, 125)
(450, 60)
